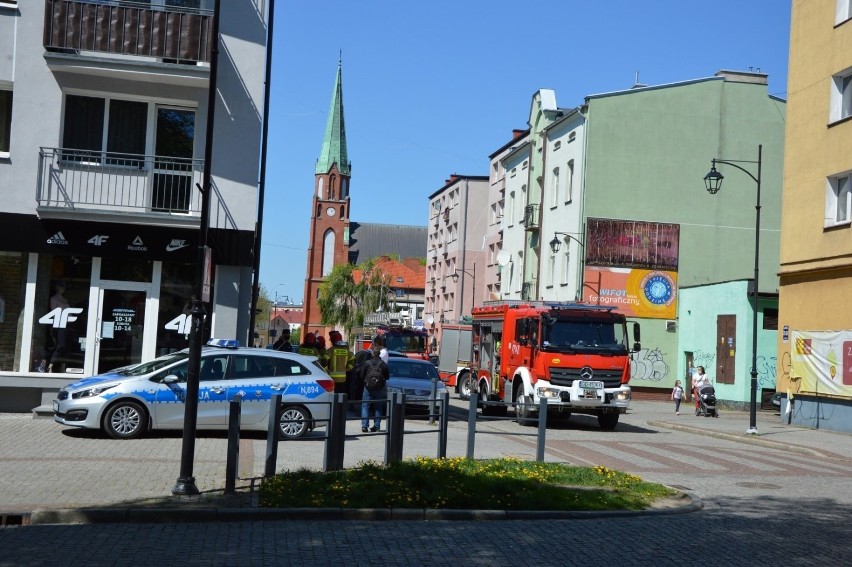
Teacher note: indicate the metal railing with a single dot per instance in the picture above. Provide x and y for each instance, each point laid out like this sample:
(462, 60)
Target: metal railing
(531, 217)
(92, 180)
(169, 33)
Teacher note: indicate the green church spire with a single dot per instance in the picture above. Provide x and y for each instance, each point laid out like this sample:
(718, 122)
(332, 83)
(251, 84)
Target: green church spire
(334, 143)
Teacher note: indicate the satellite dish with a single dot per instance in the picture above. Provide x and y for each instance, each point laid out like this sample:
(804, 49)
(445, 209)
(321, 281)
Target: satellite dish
(503, 257)
(430, 320)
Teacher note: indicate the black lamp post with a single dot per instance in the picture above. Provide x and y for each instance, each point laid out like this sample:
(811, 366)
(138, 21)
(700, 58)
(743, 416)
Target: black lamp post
(185, 484)
(455, 277)
(555, 244)
(713, 182)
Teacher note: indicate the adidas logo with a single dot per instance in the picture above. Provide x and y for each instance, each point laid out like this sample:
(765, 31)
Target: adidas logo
(58, 238)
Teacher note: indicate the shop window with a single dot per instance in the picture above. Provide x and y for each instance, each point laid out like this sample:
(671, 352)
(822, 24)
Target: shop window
(12, 279)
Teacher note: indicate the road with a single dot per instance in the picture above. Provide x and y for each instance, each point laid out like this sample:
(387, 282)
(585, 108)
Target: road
(763, 505)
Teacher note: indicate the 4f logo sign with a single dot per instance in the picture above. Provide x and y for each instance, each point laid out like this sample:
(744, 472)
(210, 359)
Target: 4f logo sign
(59, 317)
(98, 239)
(181, 324)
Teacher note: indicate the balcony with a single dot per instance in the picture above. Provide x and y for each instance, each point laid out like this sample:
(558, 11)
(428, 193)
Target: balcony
(168, 34)
(80, 182)
(531, 217)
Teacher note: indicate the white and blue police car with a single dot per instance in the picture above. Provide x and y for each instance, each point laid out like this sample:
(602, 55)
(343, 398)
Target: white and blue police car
(127, 402)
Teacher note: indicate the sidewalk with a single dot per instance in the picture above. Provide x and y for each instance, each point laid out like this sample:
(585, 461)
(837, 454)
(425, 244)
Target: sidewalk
(214, 505)
(772, 431)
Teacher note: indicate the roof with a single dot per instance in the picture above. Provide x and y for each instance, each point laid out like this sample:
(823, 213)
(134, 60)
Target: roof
(369, 240)
(334, 142)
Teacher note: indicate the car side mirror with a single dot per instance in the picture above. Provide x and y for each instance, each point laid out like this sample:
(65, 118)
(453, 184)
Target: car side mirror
(171, 379)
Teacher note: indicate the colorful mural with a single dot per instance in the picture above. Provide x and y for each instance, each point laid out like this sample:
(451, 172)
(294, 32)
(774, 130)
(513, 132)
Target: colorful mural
(634, 292)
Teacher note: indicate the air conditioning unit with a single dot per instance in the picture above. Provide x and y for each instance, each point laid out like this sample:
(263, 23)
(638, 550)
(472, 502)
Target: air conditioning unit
(671, 326)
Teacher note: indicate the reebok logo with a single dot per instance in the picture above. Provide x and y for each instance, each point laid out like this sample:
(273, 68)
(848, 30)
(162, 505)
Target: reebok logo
(176, 244)
(58, 238)
(137, 245)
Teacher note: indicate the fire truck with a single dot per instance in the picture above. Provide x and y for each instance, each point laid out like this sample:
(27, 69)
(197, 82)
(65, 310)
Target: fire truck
(410, 341)
(576, 356)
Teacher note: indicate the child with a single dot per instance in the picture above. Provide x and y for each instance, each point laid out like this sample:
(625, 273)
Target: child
(677, 396)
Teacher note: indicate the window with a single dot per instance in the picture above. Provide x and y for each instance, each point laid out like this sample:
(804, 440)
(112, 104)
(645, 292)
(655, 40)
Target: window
(843, 11)
(566, 264)
(5, 121)
(841, 96)
(555, 199)
(838, 200)
(569, 189)
(770, 319)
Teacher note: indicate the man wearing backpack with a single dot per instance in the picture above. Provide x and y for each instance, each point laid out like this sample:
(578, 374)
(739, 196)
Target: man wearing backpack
(375, 374)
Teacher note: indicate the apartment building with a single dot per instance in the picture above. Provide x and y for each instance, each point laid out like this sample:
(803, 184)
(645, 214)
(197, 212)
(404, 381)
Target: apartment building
(815, 318)
(103, 129)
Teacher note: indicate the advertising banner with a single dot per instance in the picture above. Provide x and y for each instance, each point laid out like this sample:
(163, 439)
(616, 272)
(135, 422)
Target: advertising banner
(823, 361)
(636, 293)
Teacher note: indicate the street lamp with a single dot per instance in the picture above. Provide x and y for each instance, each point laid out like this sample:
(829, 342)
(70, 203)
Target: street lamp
(455, 278)
(555, 244)
(713, 182)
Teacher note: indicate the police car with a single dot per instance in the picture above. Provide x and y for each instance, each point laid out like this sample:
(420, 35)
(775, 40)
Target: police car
(127, 402)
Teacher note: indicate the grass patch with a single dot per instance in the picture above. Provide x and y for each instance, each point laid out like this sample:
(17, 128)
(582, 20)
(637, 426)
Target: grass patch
(458, 483)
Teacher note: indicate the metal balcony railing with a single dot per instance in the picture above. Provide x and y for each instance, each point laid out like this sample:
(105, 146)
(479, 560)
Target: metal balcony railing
(531, 217)
(83, 179)
(168, 33)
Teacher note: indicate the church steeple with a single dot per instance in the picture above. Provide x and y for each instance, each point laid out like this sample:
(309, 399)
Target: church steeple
(334, 143)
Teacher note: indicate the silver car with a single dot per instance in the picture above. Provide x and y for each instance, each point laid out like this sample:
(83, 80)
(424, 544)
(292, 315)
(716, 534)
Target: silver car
(415, 378)
(128, 401)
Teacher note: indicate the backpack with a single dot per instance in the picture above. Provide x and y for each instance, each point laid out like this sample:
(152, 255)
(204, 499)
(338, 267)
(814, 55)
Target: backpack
(374, 379)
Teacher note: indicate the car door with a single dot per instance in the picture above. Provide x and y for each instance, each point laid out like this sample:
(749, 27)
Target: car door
(170, 399)
(254, 379)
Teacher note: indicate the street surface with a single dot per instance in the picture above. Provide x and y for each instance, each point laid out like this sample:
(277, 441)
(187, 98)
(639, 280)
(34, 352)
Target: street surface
(782, 497)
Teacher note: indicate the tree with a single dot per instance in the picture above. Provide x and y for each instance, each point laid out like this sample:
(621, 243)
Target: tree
(345, 302)
(262, 315)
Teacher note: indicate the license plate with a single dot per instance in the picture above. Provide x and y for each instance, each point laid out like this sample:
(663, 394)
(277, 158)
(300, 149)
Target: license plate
(55, 405)
(590, 385)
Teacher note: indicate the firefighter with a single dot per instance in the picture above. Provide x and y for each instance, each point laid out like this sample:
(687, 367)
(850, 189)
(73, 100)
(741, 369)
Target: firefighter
(322, 353)
(308, 346)
(340, 361)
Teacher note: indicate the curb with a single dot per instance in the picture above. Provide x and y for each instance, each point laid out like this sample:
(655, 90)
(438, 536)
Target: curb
(177, 515)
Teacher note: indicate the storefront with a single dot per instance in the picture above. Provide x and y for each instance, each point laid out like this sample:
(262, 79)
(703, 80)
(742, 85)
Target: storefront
(90, 297)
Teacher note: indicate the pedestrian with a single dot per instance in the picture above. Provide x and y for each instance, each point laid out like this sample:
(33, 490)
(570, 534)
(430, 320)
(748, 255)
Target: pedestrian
(308, 346)
(283, 342)
(340, 361)
(375, 373)
(677, 396)
(383, 353)
(699, 379)
(322, 353)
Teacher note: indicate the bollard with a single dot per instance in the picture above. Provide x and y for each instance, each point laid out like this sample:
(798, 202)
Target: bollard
(396, 427)
(272, 434)
(471, 423)
(542, 429)
(443, 424)
(233, 457)
(336, 434)
(432, 398)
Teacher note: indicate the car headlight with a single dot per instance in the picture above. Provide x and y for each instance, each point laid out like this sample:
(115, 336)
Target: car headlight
(92, 392)
(547, 393)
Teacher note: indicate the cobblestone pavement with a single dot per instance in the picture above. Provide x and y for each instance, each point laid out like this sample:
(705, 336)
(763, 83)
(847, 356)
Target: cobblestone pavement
(782, 496)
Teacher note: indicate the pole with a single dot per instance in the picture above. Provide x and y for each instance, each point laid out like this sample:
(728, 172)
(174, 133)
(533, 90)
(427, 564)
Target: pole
(185, 484)
(752, 428)
(258, 234)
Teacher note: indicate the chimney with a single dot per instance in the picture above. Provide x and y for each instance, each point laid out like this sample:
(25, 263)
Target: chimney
(517, 134)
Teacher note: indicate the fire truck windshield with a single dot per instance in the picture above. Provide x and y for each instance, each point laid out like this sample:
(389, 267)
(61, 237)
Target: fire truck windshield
(404, 342)
(587, 335)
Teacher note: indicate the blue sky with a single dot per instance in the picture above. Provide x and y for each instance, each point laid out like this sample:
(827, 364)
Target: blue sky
(431, 89)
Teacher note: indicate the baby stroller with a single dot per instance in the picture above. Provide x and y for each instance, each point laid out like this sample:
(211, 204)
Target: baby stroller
(706, 402)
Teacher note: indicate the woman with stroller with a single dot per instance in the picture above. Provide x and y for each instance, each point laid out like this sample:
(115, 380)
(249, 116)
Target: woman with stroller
(699, 379)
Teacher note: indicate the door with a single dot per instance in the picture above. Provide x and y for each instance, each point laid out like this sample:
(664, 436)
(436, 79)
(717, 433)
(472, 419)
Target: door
(170, 402)
(121, 323)
(726, 349)
(173, 164)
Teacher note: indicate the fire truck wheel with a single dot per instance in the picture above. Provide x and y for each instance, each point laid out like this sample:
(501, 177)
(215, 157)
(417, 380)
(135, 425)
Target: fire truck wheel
(608, 420)
(463, 388)
(523, 414)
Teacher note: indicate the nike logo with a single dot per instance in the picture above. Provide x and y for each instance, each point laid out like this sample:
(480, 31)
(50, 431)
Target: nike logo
(176, 244)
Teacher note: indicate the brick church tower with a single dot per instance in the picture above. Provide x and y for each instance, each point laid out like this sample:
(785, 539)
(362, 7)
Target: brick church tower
(329, 236)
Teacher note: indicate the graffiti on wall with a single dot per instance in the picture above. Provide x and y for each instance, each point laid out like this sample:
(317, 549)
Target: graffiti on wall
(704, 358)
(648, 364)
(766, 371)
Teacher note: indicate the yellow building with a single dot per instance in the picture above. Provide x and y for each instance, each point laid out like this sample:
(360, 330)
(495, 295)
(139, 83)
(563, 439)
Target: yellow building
(815, 312)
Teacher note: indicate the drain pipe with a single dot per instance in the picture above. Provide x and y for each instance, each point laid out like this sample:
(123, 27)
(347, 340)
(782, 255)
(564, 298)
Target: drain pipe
(261, 191)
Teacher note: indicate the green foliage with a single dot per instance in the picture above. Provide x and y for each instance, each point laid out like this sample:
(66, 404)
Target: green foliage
(343, 302)
(458, 483)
